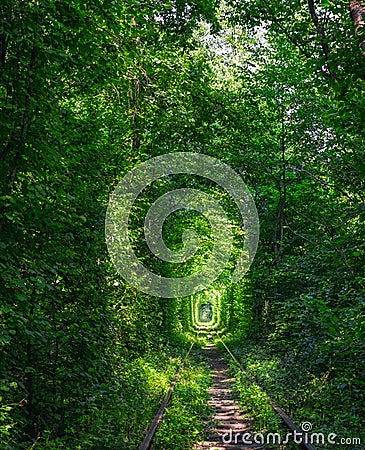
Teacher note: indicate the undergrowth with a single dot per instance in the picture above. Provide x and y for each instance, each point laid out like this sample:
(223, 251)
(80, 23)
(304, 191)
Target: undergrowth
(306, 388)
(120, 411)
(183, 422)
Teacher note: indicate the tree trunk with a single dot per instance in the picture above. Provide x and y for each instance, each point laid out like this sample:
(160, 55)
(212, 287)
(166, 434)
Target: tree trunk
(357, 12)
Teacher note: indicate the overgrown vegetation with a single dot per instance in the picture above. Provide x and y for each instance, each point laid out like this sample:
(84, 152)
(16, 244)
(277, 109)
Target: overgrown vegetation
(183, 423)
(90, 89)
(331, 400)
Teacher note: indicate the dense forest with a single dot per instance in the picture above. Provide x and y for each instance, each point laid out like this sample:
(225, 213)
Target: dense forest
(89, 90)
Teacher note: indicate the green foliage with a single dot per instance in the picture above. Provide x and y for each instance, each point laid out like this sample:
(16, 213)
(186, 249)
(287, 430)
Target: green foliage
(88, 90)
(183, 423)
(308, 384)
(255, 402)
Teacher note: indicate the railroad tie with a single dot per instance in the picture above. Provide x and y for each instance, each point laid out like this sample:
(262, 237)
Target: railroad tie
(228, 420)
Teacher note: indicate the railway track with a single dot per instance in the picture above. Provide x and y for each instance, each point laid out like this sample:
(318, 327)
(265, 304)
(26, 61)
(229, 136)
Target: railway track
(227, 416)
(228, 427)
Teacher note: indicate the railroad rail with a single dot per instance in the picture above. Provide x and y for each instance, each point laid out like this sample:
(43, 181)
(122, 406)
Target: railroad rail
(147, 441)
(284, 417)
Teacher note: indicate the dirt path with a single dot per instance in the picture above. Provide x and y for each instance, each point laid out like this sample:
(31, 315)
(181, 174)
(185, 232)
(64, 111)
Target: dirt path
(228, 421)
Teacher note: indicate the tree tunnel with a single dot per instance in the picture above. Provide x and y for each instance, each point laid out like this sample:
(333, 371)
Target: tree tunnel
(220, 308)
(90, 91)
(205, 312)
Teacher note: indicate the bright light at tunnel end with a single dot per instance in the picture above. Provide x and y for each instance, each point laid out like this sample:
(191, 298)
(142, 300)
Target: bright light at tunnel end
(195, 164)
